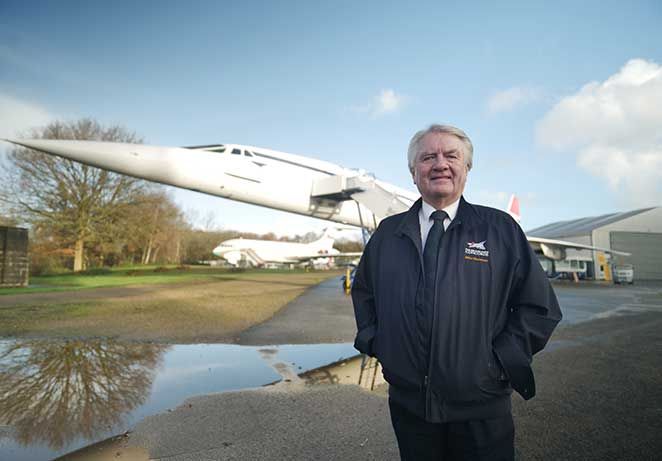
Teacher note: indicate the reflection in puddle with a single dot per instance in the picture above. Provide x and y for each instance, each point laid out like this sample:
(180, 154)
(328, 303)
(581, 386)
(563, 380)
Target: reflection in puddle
(362, 370)
(52, 393)
(58, 396)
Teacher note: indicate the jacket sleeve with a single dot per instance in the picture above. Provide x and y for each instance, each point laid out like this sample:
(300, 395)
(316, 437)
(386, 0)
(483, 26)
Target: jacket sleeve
(533, 314)
(363, 298)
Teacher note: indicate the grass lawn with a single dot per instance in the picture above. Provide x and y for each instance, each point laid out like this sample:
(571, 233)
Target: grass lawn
(137, 275)
(199, 306)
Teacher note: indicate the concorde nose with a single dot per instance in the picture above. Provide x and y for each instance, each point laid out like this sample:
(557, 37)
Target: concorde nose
(82, 151)
(142, 161)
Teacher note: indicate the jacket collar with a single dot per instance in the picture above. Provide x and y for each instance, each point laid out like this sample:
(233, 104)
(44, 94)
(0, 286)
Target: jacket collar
(466, 215)
(410, 226)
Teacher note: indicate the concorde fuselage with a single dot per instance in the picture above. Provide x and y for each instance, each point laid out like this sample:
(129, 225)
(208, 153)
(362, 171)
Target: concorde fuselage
(273, 251)
(263, 177)
(248, 174)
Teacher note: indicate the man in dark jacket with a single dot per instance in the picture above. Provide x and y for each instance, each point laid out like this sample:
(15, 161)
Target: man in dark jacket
(451, 299)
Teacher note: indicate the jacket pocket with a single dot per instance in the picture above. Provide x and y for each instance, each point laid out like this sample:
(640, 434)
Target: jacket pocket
(493, 382)
(494, 368)
(398, 381)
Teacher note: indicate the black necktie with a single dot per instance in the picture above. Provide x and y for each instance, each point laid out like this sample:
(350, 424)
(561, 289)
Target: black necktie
(432, 245)
(425, 312)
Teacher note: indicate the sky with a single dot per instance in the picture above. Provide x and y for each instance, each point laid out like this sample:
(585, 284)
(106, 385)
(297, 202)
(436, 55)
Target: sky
(562, 100)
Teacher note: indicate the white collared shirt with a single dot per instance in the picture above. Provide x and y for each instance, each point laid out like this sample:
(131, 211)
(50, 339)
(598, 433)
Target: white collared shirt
(426, 223)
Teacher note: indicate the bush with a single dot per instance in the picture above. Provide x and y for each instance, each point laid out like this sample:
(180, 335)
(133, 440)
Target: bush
(48, 265)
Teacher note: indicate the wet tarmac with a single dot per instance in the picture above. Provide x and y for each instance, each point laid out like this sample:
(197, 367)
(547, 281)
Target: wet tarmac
(56, 397)
(589, 301)
(322, 314)
(598, 398)
(101, 388)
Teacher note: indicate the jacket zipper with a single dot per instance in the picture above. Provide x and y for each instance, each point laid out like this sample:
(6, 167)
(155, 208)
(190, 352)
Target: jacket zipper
(426, 379)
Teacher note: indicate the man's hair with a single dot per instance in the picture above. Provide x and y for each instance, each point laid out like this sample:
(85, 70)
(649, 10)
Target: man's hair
(412, 152)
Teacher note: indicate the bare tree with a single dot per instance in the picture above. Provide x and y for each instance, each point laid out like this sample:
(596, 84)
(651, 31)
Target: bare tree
(77, 202)
(7, 221)
(54, 392)
(158, 228)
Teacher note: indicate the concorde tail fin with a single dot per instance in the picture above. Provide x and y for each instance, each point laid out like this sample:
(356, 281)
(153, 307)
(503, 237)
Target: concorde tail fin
(513, 208)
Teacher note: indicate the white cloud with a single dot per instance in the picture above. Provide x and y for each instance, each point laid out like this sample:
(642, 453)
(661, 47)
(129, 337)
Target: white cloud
(511, 98)
(17, 116)
(386, 102)
(615, 129)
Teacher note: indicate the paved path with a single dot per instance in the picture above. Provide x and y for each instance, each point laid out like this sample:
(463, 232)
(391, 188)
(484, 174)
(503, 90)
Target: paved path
(599, 398)
(322, 314)
(587, 301)
(283, 423)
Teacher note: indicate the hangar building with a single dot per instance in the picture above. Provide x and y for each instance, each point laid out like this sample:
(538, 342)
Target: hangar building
(638, 232)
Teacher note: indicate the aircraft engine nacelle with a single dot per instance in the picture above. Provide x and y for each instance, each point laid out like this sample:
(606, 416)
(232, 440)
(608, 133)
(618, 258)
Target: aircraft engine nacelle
(555, 253)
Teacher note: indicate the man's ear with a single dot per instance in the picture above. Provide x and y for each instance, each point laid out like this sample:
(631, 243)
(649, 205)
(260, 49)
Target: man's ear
(413, 176)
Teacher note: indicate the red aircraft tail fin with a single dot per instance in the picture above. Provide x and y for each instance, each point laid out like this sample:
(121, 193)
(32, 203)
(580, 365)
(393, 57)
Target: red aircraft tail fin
(513, 208)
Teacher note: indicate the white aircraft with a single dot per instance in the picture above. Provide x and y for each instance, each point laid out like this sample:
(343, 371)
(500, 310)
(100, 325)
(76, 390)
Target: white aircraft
(265, 177)
(264, 252)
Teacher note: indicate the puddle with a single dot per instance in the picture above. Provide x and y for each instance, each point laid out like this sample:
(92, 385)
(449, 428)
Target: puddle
(56, 397)
(362, 370)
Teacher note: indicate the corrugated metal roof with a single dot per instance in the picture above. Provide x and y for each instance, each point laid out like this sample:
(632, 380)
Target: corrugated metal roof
(581, 226)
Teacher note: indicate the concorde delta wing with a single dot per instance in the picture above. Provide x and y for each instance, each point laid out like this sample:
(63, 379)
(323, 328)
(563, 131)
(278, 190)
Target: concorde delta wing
(380, 198)
(555, 249)
(382, 201)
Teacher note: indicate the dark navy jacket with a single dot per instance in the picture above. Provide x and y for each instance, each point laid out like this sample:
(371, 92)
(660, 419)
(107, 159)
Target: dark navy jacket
(494, 308)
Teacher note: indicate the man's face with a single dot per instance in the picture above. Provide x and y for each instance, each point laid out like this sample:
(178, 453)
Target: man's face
(440, 170)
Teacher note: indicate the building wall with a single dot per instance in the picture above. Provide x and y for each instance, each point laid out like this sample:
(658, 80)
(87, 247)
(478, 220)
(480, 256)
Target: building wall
(646, 249)
(14, 263)
(647, 222)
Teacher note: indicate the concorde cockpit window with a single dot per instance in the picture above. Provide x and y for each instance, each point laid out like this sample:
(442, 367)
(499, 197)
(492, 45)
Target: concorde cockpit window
(247, 154)
(236, 151)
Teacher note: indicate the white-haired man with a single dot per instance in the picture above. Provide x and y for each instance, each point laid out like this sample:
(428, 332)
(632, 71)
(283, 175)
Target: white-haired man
(451, 299)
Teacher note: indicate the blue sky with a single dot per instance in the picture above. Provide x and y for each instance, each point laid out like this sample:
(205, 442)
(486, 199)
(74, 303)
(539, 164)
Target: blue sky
(562, 100)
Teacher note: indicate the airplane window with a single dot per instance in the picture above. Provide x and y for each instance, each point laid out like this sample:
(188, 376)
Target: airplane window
(236, 151)
(247, 154)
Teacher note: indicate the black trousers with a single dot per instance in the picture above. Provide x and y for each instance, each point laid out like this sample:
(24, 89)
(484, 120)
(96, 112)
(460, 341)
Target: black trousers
(419, 440)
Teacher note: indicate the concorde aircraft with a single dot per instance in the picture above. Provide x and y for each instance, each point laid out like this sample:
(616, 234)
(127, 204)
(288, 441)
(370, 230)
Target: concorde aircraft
(265, 177)
(264, 252)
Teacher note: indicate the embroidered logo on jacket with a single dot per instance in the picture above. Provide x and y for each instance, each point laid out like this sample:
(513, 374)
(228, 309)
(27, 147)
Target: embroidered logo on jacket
(477, 245)
(476, 251)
